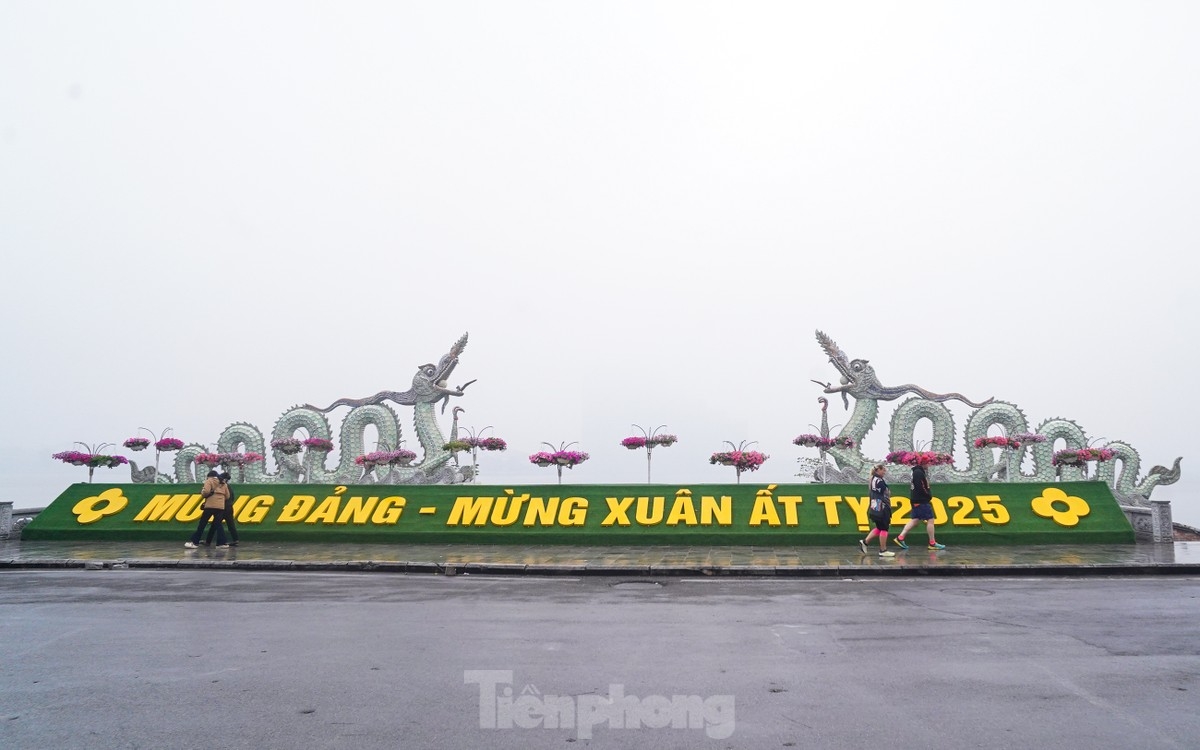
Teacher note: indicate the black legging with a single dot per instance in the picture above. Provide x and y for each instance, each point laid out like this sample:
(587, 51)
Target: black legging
(226, 516)
(215, 515)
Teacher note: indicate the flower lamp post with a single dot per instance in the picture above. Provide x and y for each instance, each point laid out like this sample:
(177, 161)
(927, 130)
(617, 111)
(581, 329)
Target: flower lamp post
(649, 441)
(162, 444)
(475, 442)
(823, 444)
(739, 458)
(92, 459)
(559, 457)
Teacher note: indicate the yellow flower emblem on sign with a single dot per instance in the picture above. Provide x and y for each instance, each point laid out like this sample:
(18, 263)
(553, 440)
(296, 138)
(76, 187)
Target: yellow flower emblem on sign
(92, 509)
(1063, 509)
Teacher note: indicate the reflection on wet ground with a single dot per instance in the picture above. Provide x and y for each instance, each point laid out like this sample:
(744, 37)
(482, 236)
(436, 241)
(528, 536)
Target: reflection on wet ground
(678, 559)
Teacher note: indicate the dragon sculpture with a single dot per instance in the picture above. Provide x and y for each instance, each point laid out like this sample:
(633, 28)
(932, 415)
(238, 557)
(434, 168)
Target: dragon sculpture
(858, 379)
(429, 386)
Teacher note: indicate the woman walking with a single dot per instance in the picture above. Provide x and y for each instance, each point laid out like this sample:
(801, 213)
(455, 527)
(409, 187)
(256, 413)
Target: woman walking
(879, 512)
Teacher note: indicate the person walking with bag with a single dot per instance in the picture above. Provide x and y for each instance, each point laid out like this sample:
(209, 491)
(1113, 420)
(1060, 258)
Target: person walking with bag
(922, 509)
(227, 515)
(879, 512)
(216, 495)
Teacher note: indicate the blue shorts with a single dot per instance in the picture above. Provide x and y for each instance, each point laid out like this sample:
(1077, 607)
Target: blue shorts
(922, 512)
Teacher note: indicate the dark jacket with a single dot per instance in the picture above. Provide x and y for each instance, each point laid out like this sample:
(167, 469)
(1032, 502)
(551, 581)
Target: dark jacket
(920, 486)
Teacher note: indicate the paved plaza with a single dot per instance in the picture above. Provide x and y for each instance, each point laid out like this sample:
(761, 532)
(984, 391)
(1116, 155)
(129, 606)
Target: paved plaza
(117, 657)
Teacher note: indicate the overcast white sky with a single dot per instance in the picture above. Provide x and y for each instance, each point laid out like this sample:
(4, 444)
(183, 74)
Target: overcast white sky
(641, 212)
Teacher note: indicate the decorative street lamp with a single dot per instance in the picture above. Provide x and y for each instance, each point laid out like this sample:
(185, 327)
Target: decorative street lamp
(559, 457)
(649, 441)
(162, 444)
(91, 459)
(475, 442)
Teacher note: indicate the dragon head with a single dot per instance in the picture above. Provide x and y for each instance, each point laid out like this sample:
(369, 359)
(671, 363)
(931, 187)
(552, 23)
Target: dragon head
(430, 384)
(858, 377)
(859, 380)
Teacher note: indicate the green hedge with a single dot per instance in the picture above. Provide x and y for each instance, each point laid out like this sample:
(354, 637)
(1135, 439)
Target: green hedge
(793, 514)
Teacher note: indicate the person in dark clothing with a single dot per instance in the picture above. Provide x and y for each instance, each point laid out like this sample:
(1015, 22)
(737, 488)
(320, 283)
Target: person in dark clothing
(227, 517)
(879, 511)
(922, 509)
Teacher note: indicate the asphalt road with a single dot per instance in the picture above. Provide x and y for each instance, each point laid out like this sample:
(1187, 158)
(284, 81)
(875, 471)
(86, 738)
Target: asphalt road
(225, 659)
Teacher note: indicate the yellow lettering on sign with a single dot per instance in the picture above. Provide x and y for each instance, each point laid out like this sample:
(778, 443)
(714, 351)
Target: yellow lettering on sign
(297, 508)
(992, 509)
(507, 509)
(830, 503)
(92, 509)
(357, 510)
(713, 510)
(859, 505)
(791, 516)
(682, 510)
(470, 510)
(618, 511)
(573, 511)
(255, 509)
(191, 510)
(649, 511)
(962, 516)
(163, 508)
(540, 512)
(389, 510)
(327, 511)
(764, 508)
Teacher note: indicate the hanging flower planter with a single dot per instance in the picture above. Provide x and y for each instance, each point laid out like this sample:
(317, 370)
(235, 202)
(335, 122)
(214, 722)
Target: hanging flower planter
(92, 460)
(166, 445)
(1027, 437)
(487, 443)
(1078, 456)
(136, 443)
(739, 458)
(649, 441)
(373, 459)
(559, 459)
(919, 458)
(288, 445)
(542, 458)
(570, 459)
(319, 444)
(401, 457)
(824, 443)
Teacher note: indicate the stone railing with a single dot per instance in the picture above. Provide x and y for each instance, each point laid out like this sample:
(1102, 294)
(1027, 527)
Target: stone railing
(1153, 523)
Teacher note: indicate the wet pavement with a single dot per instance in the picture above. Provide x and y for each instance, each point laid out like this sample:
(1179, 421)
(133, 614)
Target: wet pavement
(455, 559)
